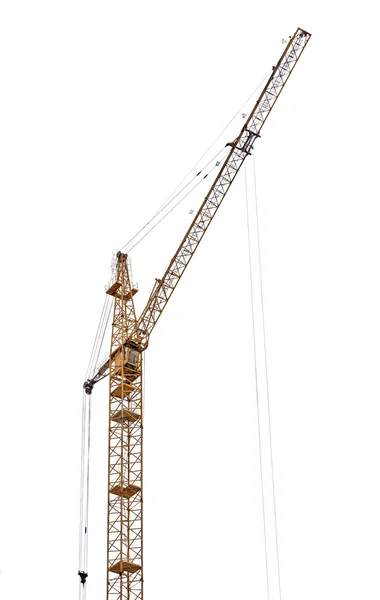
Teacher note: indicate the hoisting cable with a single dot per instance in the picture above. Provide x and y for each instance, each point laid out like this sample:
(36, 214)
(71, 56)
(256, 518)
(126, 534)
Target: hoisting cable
(85, 451)
(253, 321)
(84, 494)
(82, 478)
(266, 376)
(266, 395)
(85, 521)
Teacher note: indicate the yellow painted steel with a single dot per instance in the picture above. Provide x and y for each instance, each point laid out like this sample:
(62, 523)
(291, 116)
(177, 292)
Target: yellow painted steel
(130, 337)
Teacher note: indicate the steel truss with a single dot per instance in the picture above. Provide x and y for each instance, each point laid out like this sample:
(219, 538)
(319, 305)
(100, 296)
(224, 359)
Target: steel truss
(240, 148)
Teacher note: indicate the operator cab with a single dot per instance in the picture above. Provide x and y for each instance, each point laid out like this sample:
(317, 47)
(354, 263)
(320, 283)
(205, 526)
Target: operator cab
(131, 362)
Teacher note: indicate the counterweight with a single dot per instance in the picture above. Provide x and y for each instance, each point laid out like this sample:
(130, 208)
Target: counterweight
(130, 337)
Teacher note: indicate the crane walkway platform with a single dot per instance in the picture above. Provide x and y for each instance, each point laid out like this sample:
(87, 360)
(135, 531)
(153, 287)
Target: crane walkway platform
(125, 415)
(124, 567)
(112, 291)
(126, 492)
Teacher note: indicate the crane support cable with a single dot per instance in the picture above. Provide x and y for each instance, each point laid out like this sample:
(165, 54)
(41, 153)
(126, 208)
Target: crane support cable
(175, 206)
(93, 365)
(167, 203)
(90, 362)
(223, 130)
(99, 337)
(175, 193)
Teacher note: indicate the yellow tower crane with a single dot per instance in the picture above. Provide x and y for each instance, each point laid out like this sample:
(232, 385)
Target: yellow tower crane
(130, 338)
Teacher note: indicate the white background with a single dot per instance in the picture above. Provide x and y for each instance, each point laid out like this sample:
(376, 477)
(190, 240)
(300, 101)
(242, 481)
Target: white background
(104, 107)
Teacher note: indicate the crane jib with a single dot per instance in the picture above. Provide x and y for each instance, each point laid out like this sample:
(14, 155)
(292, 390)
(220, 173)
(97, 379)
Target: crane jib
(240, 148)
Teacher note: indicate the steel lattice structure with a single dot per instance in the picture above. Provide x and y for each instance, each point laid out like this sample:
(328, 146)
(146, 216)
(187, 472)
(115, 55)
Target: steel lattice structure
(130, 337)
(124, 563)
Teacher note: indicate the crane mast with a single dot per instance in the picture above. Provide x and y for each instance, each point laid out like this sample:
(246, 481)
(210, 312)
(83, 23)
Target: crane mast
(130, 337)
(124, 537)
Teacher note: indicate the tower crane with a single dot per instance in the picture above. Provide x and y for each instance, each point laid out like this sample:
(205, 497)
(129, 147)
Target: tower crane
(130, 338)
